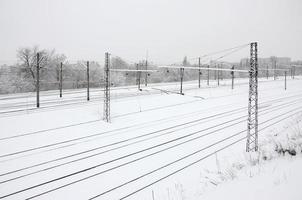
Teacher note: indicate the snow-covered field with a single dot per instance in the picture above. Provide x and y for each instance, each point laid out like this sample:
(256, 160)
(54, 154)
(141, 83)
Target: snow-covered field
(65, 151)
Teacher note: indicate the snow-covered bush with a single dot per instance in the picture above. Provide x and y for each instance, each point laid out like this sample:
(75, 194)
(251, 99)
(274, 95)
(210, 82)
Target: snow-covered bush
(287, 142)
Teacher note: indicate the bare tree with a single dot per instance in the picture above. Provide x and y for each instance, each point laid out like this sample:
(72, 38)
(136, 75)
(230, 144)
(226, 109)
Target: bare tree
(49, 62)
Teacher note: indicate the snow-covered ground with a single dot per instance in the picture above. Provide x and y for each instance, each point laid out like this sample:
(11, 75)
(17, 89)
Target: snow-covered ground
(67, 152)
(278, 180)
(272, 173)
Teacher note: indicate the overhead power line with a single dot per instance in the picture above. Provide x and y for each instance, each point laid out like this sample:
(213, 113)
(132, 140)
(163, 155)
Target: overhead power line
(221, 51)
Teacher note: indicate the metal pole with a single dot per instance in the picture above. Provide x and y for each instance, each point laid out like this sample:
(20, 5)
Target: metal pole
(267, 74)
(38, 80)
(217, 75)
(88, 96)
(61, 79)
(136, 74)
(232, 73)
(146, 77)
(208, 81)
(106, 111)
(138, 78)
(221, 72)
(252, 122)
(294, 72)
(285, 80)
(275, 63)
(199, 72)
(139, 81)
(181, 79)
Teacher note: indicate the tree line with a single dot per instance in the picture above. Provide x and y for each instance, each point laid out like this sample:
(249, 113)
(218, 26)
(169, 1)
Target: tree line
(21, 77)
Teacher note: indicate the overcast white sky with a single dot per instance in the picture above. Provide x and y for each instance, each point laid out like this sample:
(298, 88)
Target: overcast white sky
(168, 29)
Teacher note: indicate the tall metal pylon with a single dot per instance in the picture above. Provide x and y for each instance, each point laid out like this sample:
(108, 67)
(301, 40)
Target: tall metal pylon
(252, 122)
(106, 111)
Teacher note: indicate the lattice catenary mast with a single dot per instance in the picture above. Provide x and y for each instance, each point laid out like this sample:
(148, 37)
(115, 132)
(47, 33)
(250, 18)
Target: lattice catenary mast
(252, 123)
(106, 111)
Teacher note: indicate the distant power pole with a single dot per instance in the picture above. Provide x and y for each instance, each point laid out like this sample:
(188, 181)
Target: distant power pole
(38, 80)
(88, 95)
(232, 73)
(208, 81)
(182, 71)
(267, 74)
(285, 80)
(146, 77)
(217, 75)
(138, 78)
(199, 72)
(136, 74)
(106, 110)
(252, 122)
(221, 72)
(61, 79)
(294, 71)
(275, 66)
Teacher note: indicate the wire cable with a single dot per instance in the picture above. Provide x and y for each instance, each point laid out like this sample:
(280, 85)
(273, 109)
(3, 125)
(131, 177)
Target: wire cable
(221, 51)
